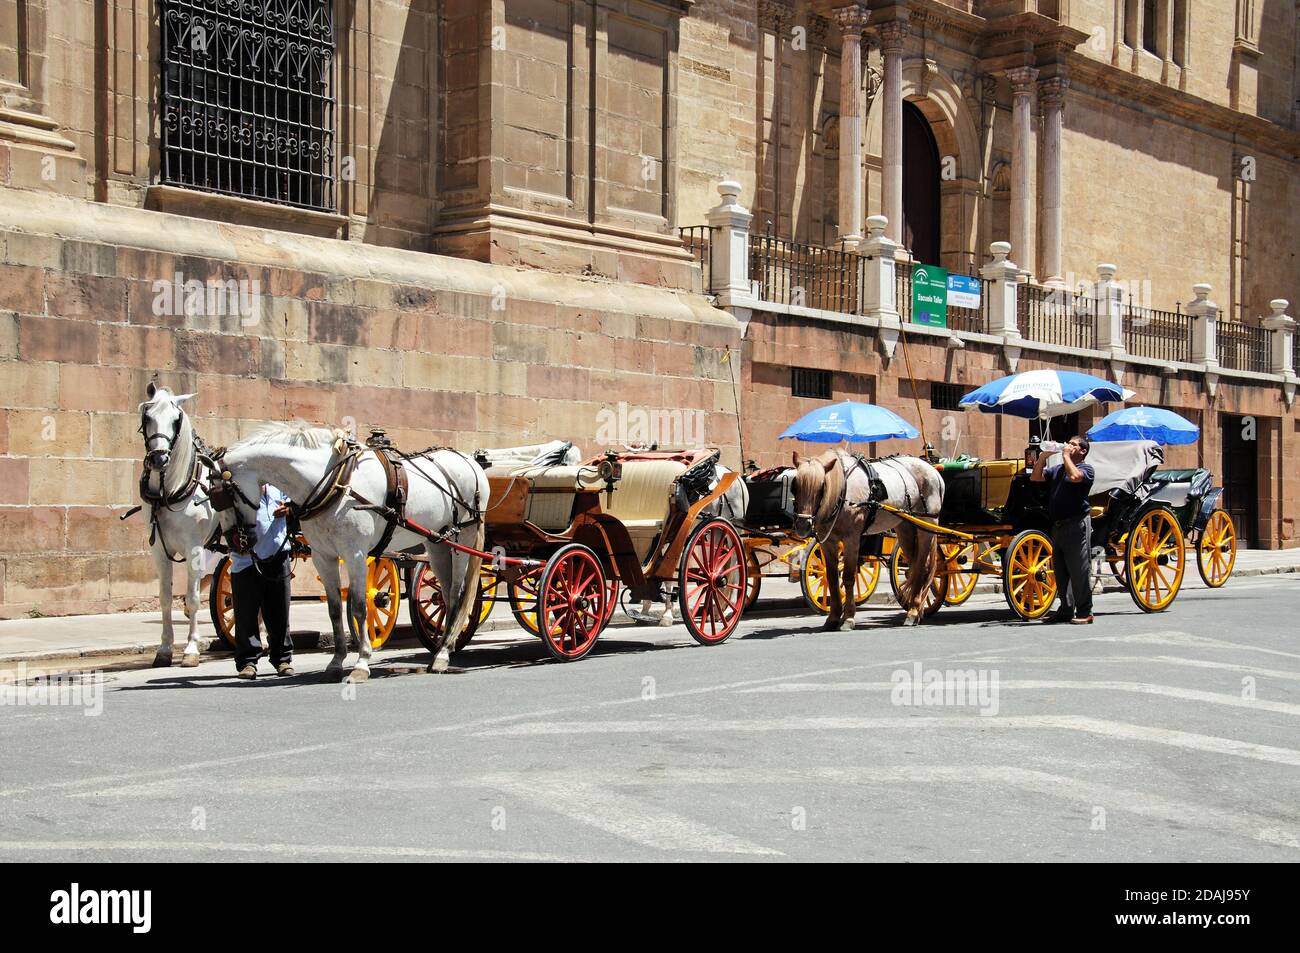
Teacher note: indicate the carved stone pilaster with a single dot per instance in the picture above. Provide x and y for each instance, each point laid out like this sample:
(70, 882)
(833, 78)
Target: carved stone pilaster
(893, 35)
(775, 15)
(850, 20)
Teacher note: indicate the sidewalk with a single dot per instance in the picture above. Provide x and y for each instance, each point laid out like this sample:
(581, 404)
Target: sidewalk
(137, 633)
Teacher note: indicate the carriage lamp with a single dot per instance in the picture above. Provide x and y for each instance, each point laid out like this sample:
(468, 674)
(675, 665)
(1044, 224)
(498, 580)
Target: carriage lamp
(378, 438)
(930, 454)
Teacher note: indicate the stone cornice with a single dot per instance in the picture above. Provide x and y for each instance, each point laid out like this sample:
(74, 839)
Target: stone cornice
(1106, 81)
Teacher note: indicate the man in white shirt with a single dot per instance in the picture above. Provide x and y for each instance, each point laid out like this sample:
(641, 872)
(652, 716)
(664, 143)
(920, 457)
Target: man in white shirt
(259, 583)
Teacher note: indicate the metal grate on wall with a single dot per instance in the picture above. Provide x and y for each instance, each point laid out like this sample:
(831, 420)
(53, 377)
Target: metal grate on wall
(945, 396)
(248, 99)
(810, 382)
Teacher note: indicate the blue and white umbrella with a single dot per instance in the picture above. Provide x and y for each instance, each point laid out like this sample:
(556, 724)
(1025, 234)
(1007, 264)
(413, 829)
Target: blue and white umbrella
(1044, 393)
(851, 421)
(1145, 423)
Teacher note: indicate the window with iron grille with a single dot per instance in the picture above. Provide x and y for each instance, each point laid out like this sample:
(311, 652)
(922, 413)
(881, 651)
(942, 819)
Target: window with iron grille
(944, 396)
(248, 99)
(810, 382)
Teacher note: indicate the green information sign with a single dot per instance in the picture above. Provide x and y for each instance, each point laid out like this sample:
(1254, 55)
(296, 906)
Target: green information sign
(930, 296)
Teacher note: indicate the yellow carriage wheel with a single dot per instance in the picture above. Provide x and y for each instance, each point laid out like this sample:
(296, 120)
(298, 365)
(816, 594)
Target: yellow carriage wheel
(383, 599)
(960, 565)
(935, 596)
(221, 603)
(522, 594)
(1028, 581)
(1154, 560)
(816, 586)
(487, 584)
(1216, 550)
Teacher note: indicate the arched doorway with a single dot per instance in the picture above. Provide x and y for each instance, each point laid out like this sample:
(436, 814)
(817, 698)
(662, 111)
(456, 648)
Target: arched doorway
(921, 177)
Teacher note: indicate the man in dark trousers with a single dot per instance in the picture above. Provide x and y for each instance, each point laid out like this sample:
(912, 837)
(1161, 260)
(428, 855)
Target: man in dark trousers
(259, 583)
(1070, 512)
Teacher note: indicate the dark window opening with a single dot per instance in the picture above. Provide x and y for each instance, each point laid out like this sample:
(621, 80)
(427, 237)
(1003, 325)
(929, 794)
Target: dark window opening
(809, 382)
(921, 176)
(248, 99)
(944, 396)
(1149, 26)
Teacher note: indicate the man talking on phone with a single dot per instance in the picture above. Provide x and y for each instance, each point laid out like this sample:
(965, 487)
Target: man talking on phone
(1071, 516)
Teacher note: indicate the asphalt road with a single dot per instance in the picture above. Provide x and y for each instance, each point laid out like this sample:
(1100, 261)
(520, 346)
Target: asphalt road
(1142, 737)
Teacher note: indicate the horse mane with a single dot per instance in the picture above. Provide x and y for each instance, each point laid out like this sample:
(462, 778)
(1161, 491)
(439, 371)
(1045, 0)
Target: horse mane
(299, 433)
(834, 484)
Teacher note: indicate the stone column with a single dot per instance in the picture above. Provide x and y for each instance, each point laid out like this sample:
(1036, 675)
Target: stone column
(1002, 276)
(879, 286)
(1282, 328)
(729, 224)
(1110, 312)
(1204, 314)
(1051, 93)
(892, 37)
(1022, 163)
(851, 21)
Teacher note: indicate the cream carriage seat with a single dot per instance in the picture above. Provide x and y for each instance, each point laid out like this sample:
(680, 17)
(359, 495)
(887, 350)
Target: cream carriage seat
(641, 499)
(550, 500)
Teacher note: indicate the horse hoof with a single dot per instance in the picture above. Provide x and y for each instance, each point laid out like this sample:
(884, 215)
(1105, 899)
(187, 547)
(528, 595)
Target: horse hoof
(359, 675)
(912, 620)
(162, 661)
(334, 673)
(190, 661)
(832, 625)
(438, 666)
(666, 620)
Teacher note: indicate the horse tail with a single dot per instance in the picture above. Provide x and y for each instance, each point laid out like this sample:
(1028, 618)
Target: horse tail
(922, 563)
(467, 590)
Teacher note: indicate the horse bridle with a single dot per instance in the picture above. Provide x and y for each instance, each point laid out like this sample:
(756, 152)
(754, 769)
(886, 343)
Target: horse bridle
(150, 451)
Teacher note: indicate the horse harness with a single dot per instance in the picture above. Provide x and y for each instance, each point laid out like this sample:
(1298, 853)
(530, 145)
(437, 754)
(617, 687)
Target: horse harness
(161, 499)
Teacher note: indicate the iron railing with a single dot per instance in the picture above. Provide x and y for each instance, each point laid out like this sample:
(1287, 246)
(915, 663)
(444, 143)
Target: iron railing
(1056, 316)
(903, 291)
(1242, 347)
(806, 276)
(1295, 351)
(698, 241)
(247, 99)
(1160, 335)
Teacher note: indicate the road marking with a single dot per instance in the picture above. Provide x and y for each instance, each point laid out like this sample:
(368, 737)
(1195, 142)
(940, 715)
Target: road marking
(625, 817)
(378, 737)
(1256, 827)
(1179, 739)
(282, 850)
(1152, 659)
(1140, 688)
(1182, 639)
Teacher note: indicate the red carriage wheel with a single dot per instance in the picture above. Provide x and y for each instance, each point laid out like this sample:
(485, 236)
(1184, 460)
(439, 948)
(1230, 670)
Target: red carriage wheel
(428, 610)
(612, 588)
(572, 604)
(711, 581)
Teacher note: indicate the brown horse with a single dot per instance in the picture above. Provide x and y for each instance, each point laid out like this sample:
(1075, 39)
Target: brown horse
(836, 499)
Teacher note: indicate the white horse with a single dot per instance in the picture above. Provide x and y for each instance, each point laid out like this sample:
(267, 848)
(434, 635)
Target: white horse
(446, 493)
(174, 490)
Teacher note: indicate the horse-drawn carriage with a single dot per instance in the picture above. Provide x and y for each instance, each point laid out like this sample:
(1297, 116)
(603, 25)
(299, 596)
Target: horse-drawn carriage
(566, 539)
(996, 523)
